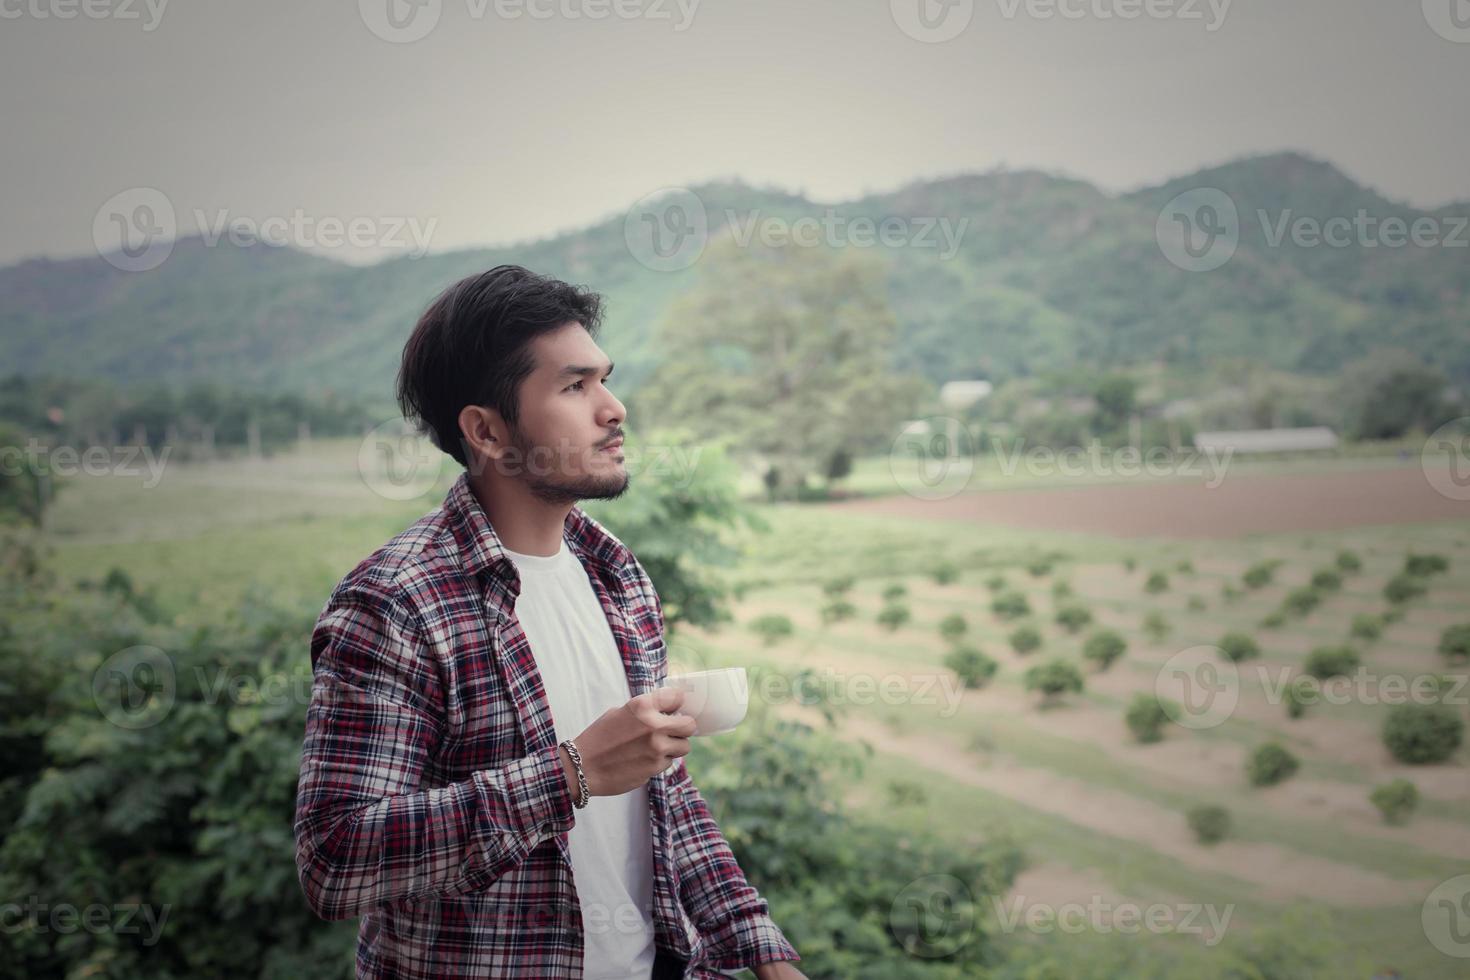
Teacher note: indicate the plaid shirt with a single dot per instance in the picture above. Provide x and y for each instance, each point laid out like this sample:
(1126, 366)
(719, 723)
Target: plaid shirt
(432, 801)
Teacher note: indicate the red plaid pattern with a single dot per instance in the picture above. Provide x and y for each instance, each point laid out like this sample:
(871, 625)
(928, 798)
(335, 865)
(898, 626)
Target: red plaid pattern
(432, 802)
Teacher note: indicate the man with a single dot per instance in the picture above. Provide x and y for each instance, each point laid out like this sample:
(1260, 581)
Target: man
(492, 778)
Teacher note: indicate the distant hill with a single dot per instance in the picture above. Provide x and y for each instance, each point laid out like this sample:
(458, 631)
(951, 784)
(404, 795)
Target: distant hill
(1050, 273)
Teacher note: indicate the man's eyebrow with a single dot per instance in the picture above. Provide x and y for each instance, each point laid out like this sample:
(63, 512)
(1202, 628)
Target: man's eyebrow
(575, 371)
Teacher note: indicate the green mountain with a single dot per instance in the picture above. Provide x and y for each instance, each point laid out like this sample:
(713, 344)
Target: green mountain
(1049, 273)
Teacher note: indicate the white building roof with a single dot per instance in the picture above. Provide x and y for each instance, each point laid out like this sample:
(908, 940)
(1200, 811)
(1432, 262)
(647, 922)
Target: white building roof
(1267, 440)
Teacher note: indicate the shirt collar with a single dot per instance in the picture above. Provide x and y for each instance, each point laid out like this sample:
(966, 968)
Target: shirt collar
(482, 550)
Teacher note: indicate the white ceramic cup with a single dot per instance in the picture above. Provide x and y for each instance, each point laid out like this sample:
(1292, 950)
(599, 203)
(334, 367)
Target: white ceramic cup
(717, 699)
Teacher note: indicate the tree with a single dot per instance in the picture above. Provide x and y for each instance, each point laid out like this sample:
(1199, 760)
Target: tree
(787, 351)
(1390, 393)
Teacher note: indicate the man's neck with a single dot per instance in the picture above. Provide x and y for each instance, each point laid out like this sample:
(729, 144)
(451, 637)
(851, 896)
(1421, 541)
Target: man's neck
(523, 523)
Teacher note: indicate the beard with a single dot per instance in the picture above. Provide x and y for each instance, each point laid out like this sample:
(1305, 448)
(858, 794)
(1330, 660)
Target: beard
(554, 488)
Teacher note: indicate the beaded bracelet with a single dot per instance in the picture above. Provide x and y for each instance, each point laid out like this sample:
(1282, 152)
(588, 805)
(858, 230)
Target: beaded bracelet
(571, 748)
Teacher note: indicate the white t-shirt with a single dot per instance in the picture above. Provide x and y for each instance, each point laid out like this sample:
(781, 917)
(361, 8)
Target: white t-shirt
(611, 842)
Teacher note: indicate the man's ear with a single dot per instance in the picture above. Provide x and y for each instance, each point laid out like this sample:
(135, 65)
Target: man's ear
(484, 433)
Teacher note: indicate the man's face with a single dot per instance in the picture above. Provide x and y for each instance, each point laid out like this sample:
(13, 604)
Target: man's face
(568, 419)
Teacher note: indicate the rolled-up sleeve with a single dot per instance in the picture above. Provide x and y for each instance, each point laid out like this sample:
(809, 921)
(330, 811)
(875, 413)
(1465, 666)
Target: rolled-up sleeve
(367, 833)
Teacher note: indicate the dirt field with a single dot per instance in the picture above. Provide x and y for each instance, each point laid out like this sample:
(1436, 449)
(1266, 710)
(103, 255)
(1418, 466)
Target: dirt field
(1239, 505)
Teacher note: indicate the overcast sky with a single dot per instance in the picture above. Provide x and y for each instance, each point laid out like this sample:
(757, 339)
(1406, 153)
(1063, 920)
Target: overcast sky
(497, 126)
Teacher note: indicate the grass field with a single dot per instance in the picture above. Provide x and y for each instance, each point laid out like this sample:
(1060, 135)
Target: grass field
(1101, 817)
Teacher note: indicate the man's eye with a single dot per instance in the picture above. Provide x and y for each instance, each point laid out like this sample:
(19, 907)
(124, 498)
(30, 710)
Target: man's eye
(576, 385)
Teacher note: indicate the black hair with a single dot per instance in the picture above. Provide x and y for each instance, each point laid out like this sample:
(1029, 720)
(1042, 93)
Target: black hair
(472, 347)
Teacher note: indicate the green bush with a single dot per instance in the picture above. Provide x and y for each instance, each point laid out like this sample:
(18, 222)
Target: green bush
(1039, 567)
(1010, 605)
(1130, 564)
(1025, 639)
(1156, 627)
(973, 667)
(996, 583)
(1260, 574)
(944, 573)
(772, 627)
(1348, 562)
(893, 616)
(1396, 800)
(1269, 764)
(1210, 823)
(1156, 582)
(1367, 626)
(1104, 647)
(1146, 716)
(1402, 588)
(1195, 604)
(1325, 662)
(1073, 617)
(1422, 566)
(839, 586)
(953, 626)
(1418, 734)
(1454, 644)
(1061, 589)
(1302, 600)
(1053, 678)
(1298, 695)
(1230, 593)
(1327, 580)
(894, 592)
(837, 610)
(1184, 567)
(1273, 620)
(1239, 646)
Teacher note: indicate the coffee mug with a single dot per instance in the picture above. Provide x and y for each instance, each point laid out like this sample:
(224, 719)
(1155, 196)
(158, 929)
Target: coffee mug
(717, 699)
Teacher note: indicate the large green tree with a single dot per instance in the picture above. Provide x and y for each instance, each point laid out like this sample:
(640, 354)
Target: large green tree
(788, 351)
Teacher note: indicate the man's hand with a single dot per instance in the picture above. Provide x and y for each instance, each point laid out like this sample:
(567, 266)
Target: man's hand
(778, 970)
(632, 743)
